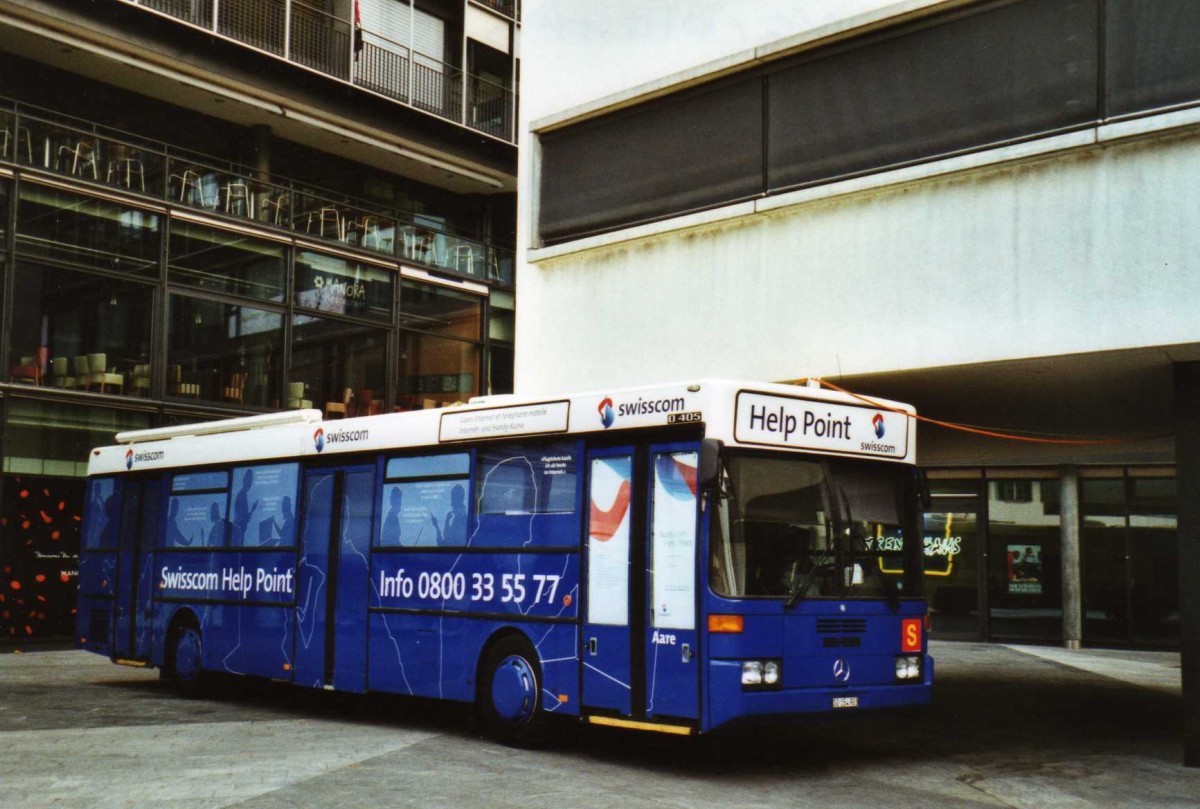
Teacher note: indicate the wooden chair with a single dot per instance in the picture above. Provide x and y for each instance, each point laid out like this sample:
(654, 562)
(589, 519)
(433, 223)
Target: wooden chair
(141, 379)
(62, 376)
(368, 405)
(29, 369)
(342, 408)
(101, 376)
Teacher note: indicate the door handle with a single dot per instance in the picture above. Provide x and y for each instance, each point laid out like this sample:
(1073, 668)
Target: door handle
(591, 645)
(687, 653)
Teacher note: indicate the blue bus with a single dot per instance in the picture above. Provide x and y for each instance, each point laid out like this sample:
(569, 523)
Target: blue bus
(677, 558)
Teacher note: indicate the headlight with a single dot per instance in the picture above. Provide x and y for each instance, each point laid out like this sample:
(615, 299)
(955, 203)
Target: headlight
(762, 674)
(908, 667)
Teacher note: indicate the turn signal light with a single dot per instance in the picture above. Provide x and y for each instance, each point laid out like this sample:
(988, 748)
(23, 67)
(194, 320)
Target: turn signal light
(730, 624)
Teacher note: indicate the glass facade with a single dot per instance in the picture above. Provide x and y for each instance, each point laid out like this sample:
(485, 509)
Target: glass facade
(952, 553)
(994, 541)
(1129, 559)
(122, 316)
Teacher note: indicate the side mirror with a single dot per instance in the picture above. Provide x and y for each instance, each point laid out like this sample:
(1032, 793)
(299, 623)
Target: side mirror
(709, 473)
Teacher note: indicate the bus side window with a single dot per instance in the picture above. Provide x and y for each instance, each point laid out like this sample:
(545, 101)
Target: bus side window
(197, 513)
(425, 501)
(526, 479)
(103, 514)
(264, 506)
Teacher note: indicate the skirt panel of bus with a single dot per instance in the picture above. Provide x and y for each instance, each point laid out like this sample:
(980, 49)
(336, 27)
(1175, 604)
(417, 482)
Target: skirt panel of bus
(437, 656)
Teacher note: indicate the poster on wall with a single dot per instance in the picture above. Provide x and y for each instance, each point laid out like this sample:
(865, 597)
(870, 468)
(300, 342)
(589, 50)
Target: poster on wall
(1025, 570)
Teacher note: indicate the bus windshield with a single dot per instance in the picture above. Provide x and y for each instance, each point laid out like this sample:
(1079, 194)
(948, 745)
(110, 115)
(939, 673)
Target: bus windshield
(800, 528)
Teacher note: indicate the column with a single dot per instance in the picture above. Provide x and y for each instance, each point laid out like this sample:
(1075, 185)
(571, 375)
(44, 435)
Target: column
(1072, 591)
(1187, 478)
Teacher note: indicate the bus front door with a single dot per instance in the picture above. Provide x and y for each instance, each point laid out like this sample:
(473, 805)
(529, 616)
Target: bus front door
(140, 511)
(332, 578)
(639, 632)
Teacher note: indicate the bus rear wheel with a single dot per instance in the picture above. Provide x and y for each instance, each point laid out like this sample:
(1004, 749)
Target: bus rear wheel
(187, 660)
(510, 693)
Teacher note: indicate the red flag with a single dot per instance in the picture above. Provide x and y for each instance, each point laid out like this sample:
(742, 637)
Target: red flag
(358, 33)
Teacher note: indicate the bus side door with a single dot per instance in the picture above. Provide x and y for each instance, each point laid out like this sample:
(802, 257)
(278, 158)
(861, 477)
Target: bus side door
(332, 578)
(613, 536)
(671, 638)
(141, 510)
(639, 628)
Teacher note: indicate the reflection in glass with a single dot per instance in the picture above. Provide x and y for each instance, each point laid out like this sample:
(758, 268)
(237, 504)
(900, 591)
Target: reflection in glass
(48, 438)
(222, 261)
(340, 287)
(797, 529)
(1024, 559)
(87, 232)
(440, 310)
(335, 365)
(435, 371)
(221, 352)
(951, 585)
(79, 331)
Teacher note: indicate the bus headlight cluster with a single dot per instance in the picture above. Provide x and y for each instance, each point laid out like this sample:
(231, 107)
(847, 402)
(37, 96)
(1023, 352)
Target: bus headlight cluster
(908, 667)
(762, 673)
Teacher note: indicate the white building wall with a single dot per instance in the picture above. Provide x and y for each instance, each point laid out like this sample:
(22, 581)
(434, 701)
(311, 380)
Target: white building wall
(1090, 249)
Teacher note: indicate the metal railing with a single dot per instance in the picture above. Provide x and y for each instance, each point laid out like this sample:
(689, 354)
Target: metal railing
(302, 33)
(509, 8)
(96, 155)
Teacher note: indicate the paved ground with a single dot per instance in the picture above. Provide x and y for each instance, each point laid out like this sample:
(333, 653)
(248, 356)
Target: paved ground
(1011, 726)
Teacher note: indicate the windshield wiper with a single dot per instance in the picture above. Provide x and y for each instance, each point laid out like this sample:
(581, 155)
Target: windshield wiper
(800, 588)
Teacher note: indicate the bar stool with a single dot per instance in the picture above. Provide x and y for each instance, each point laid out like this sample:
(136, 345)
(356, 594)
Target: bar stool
(15, 137)
(237, 193)
(464, 253)
(322, 218)
(124, 166)
(82, 156)
(190, 185)
(367, 227)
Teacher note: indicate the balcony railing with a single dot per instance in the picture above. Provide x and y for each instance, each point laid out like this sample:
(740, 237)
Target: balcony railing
(302, 33)
(96, 155)
(509, 8)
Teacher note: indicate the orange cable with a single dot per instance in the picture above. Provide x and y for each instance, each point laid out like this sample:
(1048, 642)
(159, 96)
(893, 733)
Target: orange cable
(949, 425)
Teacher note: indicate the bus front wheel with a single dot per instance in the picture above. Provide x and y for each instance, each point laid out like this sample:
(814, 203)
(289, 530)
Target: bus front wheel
(187, 660)
(510, 693)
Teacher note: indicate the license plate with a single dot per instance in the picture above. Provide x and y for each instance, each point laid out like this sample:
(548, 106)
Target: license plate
(845, 702)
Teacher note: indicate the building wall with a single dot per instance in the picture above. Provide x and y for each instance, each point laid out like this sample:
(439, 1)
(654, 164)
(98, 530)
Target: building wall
(1088, 249)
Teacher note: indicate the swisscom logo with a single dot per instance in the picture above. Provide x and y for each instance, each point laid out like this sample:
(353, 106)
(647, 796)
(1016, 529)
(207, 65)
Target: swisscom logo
(319, 439)
(607, 415)
(132, 457)
(878, 424)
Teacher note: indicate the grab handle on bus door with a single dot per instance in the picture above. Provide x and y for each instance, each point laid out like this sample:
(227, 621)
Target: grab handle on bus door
(591, 645)
(687, 653)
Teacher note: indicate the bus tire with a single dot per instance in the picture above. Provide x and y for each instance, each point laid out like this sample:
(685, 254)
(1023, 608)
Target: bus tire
(187, 656)
(510, 693)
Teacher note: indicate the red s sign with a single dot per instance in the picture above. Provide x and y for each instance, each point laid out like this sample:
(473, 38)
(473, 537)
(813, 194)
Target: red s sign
(910, 635)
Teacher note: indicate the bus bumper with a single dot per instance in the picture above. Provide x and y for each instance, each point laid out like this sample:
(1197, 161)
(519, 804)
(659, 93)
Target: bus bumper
(731, 704)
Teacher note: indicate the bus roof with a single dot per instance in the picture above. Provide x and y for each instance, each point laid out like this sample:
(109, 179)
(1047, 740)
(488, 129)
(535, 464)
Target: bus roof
(741, 414)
